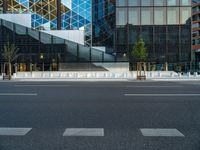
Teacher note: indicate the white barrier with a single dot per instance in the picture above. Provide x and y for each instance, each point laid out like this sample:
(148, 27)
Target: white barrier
(99, 75)
(73, 75)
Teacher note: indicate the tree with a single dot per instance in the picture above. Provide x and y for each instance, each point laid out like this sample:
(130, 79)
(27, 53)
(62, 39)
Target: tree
(139, 53)
(9, 53)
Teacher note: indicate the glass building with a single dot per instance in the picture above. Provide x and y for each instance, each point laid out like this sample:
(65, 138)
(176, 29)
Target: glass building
(196, 32)
(103, 23)
(165, 26)
(54, 14)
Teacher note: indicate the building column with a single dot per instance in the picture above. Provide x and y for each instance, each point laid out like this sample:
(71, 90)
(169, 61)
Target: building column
(58, 14)
(5, 6)
(2, 67)
(166, 66)
(149, 66)
(16, 67)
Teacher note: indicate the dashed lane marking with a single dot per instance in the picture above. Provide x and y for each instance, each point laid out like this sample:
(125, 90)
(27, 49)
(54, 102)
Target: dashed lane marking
(84, 132)
(151, 132)
(14, 131)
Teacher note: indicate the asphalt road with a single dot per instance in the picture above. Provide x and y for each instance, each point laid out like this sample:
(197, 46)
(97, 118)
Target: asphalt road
(119, 110)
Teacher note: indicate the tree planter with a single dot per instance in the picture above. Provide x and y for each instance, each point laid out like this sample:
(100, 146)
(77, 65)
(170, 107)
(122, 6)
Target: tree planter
(139, 52)
(9, 54)
(141, 71)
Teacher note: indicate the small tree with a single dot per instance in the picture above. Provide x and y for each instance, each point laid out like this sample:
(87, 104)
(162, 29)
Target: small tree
(9, 53)
(139, 53)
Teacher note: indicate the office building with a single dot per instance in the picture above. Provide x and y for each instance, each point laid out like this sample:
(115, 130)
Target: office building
(98, 30)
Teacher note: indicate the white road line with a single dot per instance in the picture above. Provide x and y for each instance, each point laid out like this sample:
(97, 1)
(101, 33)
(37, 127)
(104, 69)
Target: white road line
(150, 132)
(41, 85)
(129, 86)
(84, 132)
(161, 95)
(18, 94)
(14, 131)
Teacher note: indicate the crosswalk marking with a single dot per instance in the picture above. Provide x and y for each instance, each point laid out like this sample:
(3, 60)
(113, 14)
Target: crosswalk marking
(84, 132)
(147, 132)
(14, 131)
(151, 132)
(18, 94)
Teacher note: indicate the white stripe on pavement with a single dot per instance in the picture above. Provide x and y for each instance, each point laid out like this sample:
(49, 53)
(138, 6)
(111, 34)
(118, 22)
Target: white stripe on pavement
(154, 86)
(18, 94)
(14, 131)
(161, 132)
(41, 85)
(84, 132)
(162, 95)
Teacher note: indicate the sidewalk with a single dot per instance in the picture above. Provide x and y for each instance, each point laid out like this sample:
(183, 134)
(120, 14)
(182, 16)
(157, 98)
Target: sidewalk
(98, 80)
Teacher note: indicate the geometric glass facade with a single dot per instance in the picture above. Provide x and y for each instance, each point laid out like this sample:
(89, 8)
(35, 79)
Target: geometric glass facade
(165, 26)
(1, 6)
(72, 14)
(103, 23)
(55, 14)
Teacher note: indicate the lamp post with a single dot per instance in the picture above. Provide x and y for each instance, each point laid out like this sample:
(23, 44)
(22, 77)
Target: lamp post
(42, 58)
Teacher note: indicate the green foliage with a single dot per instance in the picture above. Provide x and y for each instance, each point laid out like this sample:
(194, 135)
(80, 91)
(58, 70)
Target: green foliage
(10, 52)
(139, 51)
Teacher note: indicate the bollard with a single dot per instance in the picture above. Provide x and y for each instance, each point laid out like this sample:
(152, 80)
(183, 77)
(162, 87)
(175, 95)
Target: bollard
(195, 74)
(171, 74)
(159, 74)
(14, 75)
(32, 75)
(179, 74)
(151, 74)
(189, 74)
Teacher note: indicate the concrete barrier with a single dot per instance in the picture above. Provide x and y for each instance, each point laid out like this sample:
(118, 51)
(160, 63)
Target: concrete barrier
(99, 75)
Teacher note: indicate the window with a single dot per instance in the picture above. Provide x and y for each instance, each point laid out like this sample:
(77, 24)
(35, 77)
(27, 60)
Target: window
(173, 15)
(134, 16)
(172, 2)
(185, 2)
(121, 16)
(133, 2)
(147, 16)
(120, 2)
(146, 2)
(159, 15)
(195, 25)
(185, 15)
(160, 2)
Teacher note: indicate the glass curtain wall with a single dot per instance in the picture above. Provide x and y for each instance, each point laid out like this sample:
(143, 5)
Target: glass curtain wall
(1, 6)
(165, 26)
(103, 23)
(71, 14)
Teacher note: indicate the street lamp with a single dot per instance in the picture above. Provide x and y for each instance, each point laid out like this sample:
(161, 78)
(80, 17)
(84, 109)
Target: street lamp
(42, 58)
